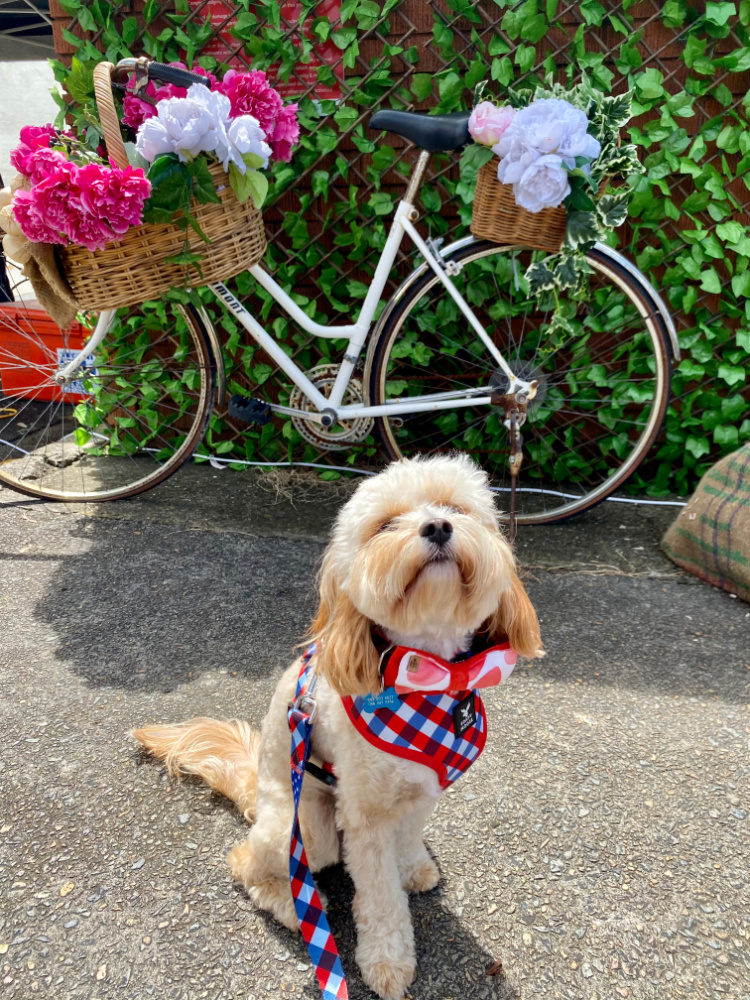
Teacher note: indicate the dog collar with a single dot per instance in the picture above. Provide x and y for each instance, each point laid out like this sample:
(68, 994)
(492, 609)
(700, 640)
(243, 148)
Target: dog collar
(406, 669)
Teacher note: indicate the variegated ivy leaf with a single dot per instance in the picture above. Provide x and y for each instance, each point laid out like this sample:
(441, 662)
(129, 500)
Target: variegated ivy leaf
(612, 209)
(540, 278)
(582, 230)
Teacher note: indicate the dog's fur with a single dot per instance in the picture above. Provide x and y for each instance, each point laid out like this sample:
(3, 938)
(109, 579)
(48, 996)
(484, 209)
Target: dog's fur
(378, 569)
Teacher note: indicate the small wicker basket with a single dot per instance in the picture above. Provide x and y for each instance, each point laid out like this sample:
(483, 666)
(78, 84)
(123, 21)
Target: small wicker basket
(496, 216)
(133, 269)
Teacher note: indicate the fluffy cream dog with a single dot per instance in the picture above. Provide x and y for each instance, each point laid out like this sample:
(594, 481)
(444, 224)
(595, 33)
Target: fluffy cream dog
(417, 553)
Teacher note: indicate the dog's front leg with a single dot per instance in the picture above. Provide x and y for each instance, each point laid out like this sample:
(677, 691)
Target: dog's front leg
(385, 937)
(419, 873)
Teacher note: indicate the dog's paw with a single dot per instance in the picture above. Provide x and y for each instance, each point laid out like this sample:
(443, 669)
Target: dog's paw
(422, 877)
(389, 980)
(266, 890)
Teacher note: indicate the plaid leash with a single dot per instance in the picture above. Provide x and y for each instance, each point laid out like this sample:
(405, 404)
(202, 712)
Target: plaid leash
(312, 919)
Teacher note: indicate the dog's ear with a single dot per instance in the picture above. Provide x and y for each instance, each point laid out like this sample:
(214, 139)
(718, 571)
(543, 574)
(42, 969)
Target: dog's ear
(344, 652)
(516, 618)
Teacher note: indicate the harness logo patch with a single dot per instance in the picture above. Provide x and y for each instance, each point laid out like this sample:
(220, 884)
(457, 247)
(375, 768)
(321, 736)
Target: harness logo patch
(464, 714)
(413, 665)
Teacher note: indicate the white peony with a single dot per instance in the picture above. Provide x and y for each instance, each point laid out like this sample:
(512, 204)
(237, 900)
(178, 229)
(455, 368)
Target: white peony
(246, 136)
(187, 126)
(548, 126)
(543, 184)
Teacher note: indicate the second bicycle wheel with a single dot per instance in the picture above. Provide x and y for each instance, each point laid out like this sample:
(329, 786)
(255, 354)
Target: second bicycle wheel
(135, 413)
(603, 379)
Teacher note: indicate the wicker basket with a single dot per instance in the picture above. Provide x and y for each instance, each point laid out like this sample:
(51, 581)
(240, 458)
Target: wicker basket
(133, 270)
(496, 216)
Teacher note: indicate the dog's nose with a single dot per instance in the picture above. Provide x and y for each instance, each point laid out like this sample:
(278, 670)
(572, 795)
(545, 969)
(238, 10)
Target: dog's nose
(438, 532)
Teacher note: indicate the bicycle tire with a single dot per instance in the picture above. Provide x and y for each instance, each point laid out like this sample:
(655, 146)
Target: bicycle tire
(136, 414)
(543, 499)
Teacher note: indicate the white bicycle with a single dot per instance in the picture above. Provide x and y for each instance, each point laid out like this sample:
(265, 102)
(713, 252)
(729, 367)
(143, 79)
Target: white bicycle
(457, 358)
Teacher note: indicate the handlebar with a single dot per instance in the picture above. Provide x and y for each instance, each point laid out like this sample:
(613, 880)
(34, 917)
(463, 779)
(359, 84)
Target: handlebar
(159, 71)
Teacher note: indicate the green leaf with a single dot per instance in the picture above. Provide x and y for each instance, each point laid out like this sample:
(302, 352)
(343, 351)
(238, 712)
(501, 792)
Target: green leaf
(170, 185)
(697, 446)
(649, 84)
(185, 258)
(710, 281)
(581, 229)
(732, 374)
(203, 191)
(252, 184)
(719, 13)
(86, 19)
(421, 85)
(726, 435)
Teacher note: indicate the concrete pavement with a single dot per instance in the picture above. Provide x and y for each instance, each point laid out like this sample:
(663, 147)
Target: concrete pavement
(599, 847)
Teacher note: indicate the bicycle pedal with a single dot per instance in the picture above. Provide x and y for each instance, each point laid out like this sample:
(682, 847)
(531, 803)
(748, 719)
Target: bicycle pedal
(249, 410)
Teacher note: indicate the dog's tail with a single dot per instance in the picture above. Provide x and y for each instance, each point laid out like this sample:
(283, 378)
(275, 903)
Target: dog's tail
(224, 754)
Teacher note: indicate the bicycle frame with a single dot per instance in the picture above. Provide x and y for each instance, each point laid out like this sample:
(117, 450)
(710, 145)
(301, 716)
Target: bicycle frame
(328, 410)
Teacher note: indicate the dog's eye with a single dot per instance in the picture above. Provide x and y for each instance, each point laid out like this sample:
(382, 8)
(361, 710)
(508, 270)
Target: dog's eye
(384, 527)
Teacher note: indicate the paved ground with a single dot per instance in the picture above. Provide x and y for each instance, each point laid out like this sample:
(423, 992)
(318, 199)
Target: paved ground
(599, 847)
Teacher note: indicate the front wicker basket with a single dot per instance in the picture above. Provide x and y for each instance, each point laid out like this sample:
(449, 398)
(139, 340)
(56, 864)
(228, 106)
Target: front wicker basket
(133, 270)
(497, 217)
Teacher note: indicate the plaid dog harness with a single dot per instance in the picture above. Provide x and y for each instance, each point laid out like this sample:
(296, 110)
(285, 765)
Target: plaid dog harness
(428, 712)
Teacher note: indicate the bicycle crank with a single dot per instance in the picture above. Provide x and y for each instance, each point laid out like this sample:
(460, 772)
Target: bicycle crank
(341, 435)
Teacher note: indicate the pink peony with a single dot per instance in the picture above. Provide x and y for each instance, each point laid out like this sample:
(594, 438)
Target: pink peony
(488, 123)
(115, 196)
(32, 137)
(286, 134)
(33, 225)
(44, 162)
(88, 231)
(136, 111)
(252, 94)
(56, 199)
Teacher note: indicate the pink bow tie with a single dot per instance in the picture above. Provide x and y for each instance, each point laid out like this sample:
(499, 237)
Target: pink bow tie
(414, 670)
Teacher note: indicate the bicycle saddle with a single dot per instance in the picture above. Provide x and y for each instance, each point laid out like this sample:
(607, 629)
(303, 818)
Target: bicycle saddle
(435, 133)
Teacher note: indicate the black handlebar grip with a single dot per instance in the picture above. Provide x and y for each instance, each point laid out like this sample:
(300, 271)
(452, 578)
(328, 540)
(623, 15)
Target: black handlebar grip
(173, 74)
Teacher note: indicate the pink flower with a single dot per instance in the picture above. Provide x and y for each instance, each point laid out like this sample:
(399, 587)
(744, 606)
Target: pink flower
(56, 199)
(88, 231)
(43, 162)
(251, 94)
(114, 196)
(136, 111)
(32, 137)
(487, 123)
(33, 225)
(286, 134)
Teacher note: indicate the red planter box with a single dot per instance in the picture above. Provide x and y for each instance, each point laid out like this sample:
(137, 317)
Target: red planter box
(30, 335)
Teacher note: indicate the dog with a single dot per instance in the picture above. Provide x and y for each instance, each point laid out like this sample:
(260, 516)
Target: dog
(417, 561)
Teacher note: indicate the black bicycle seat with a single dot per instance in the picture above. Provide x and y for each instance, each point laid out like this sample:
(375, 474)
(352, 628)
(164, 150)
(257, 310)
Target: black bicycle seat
(435, 133)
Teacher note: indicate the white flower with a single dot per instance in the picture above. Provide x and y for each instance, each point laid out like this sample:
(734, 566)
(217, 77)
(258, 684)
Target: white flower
(246, 136)
(543, 184)
(187, 126)
(548, 126)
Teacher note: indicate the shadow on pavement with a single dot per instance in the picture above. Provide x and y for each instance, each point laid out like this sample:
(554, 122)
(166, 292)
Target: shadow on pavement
(148, 606)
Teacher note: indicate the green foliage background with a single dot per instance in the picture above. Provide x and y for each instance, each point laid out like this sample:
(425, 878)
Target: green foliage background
(689, 66)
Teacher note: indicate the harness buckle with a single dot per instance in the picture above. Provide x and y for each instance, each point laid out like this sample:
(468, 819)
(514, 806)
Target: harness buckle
(307, 705)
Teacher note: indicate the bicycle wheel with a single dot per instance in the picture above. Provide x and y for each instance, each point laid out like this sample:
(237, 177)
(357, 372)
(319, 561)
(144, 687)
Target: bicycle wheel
(603, 382)
(134, 415)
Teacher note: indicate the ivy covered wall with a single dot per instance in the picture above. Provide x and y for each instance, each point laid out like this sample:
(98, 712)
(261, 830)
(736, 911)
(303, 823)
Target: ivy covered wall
(687, 62)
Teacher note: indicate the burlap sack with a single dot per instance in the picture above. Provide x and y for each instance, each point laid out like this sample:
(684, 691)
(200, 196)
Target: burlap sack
(711, 537)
